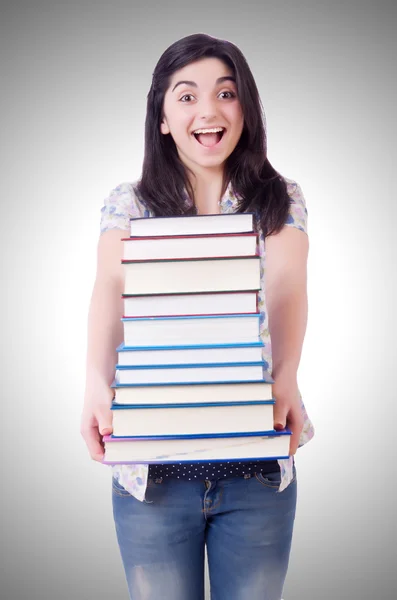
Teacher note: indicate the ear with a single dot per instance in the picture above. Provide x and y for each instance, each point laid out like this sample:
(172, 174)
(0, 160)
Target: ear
(164, 126)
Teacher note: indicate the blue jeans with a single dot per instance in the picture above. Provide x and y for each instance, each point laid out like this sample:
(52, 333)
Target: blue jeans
(246, 525)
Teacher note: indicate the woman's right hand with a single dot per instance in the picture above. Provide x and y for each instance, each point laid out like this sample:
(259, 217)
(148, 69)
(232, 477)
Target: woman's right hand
(97, 421)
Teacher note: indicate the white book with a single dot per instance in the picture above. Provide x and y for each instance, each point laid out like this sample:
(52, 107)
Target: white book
(191, 419)
(185, 449)
(192, 224)
(189, 373)
(218, 303)
(192, 246)
(192, 275)
(183, 331)
(179, 355)
(193, 393)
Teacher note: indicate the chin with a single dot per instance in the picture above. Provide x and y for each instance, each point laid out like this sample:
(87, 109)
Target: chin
(211, 163)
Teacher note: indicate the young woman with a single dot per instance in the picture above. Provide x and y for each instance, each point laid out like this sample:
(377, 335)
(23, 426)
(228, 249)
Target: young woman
(205, 153)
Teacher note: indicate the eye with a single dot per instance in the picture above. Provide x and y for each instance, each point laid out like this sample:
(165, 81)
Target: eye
(232, 94)
(184, 96)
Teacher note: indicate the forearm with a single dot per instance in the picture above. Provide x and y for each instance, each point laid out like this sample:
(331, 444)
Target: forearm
(104, 334)
(287, 315)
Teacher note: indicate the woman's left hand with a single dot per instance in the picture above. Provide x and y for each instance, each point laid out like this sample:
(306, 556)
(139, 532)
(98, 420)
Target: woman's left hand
(287, 409)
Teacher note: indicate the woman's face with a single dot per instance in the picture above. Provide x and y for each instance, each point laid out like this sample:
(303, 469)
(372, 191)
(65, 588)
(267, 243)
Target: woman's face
(203, 95)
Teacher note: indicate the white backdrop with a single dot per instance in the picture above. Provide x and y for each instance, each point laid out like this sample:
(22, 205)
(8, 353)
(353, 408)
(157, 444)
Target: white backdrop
(75, 77)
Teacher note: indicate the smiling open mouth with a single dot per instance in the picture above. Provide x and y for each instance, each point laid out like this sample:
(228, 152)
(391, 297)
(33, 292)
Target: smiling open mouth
(209, 139)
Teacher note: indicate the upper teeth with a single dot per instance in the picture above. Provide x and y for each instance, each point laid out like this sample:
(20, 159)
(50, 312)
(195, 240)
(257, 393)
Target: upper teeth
(213, 130)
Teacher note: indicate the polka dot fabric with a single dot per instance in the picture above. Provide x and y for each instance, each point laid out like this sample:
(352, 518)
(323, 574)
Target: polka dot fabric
(213, 470)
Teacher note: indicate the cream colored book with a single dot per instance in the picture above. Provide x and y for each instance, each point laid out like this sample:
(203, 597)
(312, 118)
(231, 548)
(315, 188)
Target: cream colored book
(163, 450)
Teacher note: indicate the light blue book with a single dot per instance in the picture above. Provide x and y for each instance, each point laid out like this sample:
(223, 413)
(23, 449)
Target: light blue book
(163, 449)
(190, 354)
(185, 393)
(190, 373)
(191, 330)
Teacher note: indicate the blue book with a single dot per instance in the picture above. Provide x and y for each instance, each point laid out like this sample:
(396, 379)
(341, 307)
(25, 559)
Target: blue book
(259, 445)
(190, 354)
(185, 393)
(185, 373)
(209, 418)
(191, 330)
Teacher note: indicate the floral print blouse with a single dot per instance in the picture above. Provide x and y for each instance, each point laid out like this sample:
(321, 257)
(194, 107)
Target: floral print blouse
(124, 203)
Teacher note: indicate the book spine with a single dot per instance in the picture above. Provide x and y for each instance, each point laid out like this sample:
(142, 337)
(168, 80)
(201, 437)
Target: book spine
(123, 348)
(204, 293)
(264, 381)
(189, 366)
(188, 259)
(192, 461)
(193, 235)
(116, 406)
(250, 314)
(174, 317)
(270, 433)
(116, 384)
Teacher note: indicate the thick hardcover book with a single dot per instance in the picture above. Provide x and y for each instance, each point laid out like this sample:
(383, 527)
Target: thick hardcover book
(195, 246)
(182, 393)
(260, 445)
(189, 419)
(216, 274)
(192, 224)
(189, 373)
(206, 303)
(196, 330)
(177, 355)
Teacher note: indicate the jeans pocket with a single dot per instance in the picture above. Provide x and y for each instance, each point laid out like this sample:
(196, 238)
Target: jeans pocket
(118, 489)
(270, 480)
(273, 480)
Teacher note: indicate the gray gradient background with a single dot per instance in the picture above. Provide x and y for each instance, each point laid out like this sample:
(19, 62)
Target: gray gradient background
(74, 83)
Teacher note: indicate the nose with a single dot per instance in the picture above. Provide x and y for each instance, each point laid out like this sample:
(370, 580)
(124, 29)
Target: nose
(207, 110)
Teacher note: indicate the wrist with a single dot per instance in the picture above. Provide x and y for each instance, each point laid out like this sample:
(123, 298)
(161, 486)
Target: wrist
(285, 370)
(97, 391)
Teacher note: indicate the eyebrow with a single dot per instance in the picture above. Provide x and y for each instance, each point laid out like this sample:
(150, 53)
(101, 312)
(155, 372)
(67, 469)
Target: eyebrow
(193, 84)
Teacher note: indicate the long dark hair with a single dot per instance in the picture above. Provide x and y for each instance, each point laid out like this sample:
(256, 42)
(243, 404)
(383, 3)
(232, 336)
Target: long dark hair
(262, 189)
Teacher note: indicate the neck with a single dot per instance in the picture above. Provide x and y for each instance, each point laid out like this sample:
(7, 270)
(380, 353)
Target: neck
(208, 191)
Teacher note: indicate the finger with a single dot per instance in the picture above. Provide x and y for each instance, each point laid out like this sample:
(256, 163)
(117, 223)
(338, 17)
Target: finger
(295, 423)
(90, 433)
(279, 416)
(105, 420)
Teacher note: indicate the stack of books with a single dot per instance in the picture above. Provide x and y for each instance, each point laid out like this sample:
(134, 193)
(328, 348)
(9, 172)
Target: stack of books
(190, 383)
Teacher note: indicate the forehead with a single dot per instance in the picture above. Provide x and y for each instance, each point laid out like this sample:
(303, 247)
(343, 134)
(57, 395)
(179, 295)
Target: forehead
(203, 72)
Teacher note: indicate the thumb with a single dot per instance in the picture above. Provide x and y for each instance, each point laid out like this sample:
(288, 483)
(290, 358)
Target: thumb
(279, 417)
(105, 420)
